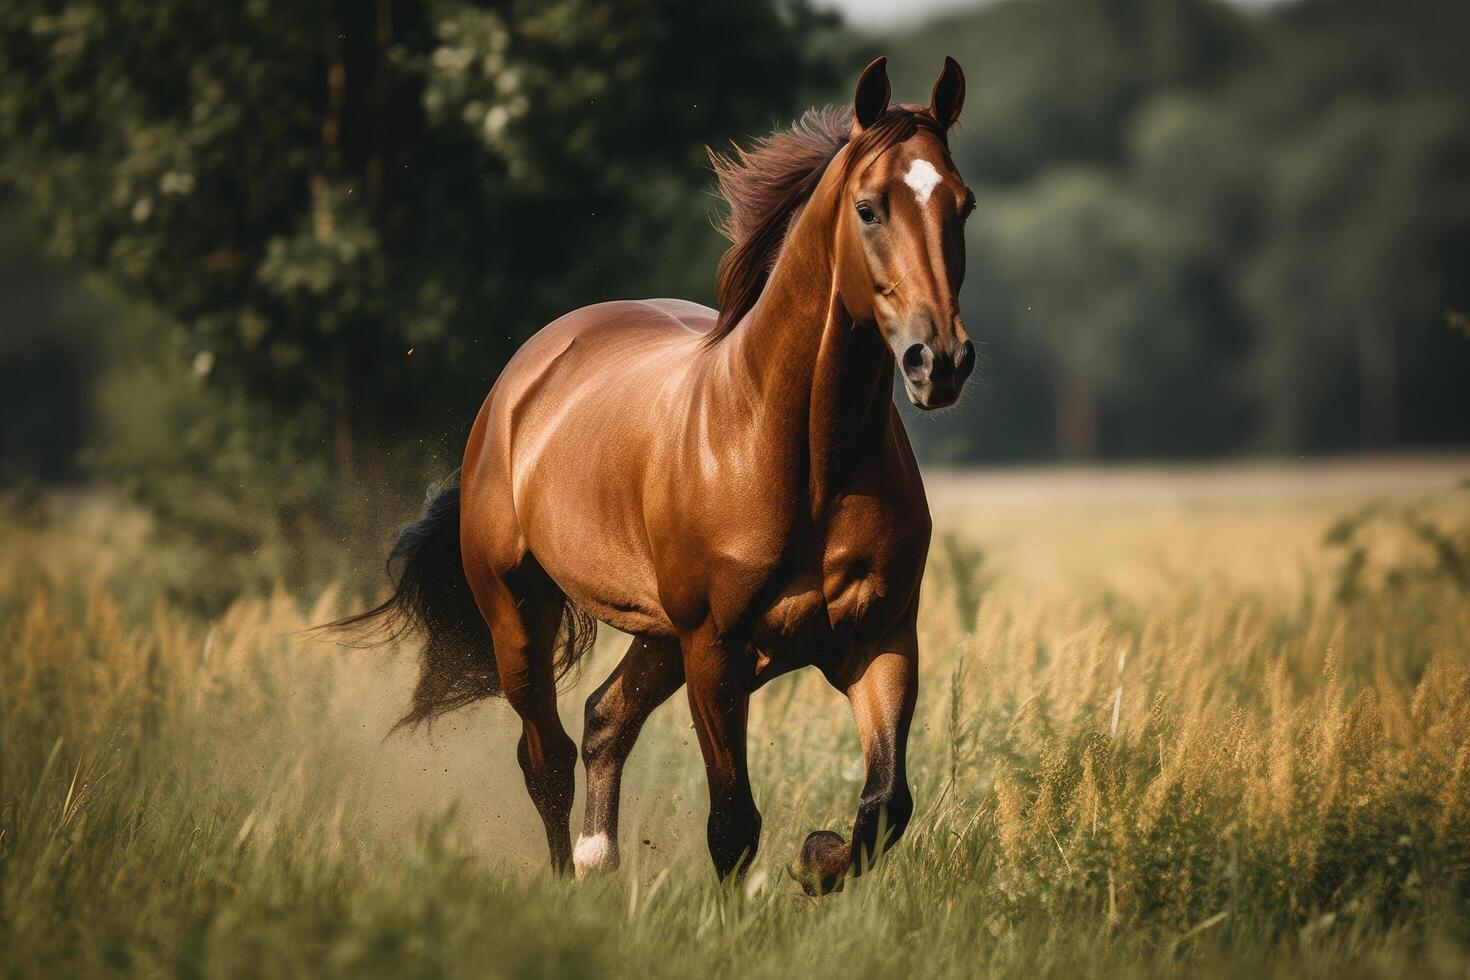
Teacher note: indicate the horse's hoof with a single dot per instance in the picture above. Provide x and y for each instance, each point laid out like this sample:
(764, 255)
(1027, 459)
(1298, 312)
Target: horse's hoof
(821, 865)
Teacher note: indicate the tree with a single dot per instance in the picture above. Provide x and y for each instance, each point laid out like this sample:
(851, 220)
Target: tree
(1098, 280)
(1205, 231)
(1330, 177)
(350, 213)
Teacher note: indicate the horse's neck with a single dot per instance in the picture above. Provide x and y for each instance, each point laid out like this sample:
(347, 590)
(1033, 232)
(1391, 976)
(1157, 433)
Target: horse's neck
(823, 382)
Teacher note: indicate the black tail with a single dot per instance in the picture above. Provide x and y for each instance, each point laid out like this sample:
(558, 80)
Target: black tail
(432, 596)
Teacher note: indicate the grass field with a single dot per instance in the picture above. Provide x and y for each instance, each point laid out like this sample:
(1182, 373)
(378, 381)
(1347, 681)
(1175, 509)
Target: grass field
(1200, 722)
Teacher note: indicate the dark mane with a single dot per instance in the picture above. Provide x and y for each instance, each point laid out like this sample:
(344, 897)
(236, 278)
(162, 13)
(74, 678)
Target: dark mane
(765, 184)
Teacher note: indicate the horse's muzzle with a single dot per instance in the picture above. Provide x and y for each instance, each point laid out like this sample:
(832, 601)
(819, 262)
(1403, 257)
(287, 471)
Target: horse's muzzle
(933, 377)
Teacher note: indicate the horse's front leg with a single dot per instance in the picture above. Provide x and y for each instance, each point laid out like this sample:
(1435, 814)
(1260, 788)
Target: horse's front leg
(719, 700)
(881, 683)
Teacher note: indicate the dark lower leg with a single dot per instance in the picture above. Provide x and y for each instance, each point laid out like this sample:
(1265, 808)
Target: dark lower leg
(548, 758)
(883, 814)
(524, 617)
(718, 702)
(882, 699)
(649, 672)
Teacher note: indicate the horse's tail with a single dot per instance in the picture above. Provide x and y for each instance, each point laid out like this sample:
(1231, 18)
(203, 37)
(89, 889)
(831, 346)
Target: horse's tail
(431, 595)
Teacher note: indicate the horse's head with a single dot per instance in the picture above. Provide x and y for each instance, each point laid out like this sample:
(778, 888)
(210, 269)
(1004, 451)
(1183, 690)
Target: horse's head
(901, 235)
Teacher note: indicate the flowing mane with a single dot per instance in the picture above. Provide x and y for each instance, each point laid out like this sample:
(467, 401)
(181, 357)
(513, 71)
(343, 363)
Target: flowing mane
(765, 184)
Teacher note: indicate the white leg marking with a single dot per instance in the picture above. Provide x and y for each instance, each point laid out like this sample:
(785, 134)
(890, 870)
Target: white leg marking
(591, 853)
(922, 178)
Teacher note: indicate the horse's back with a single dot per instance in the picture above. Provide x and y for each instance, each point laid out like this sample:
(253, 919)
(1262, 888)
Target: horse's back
(598, 360)
(682, 314)
(612, 325)
(603, 345)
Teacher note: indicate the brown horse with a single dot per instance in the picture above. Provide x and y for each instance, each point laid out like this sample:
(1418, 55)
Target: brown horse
(735, 489)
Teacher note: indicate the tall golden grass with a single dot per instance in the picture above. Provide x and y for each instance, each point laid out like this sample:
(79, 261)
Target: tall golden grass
(1145, 745)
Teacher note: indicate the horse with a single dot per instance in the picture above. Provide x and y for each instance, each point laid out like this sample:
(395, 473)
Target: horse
(734, 489)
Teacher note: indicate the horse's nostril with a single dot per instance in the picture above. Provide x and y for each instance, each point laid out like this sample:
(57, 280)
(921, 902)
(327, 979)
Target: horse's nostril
(964, 361)
(918, 363)
(913, 357)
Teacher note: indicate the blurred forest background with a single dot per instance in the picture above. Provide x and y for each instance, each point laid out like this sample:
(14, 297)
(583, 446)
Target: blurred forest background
(260, 261)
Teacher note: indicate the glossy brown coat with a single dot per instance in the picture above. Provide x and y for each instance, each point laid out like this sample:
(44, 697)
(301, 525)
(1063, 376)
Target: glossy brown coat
(738, 493)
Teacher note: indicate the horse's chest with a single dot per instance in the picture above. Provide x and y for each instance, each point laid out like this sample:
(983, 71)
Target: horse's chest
(855, 586)
(859, 588)
(819, 612)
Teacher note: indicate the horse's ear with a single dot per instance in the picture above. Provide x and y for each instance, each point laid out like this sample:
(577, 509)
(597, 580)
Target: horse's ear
(949, 94)
(872, 94)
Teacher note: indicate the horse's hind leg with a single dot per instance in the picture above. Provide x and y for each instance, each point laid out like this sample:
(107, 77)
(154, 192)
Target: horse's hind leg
(649, 673)
(524, 613)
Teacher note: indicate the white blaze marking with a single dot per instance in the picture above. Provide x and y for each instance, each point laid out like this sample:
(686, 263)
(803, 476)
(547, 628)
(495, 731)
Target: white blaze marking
(591, 853)
(923, 178)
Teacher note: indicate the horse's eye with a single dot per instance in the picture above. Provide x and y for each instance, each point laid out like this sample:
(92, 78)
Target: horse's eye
(865, 211)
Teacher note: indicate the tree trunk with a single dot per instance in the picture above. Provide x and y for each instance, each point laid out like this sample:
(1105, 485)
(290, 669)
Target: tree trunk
(1075, 409)
(334, 124)
(1377, 382)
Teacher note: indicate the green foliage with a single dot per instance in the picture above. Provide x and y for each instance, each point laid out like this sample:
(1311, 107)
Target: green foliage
(46, 368)
(311, 190)
(320, 229)
(1103, 280)
(1204, 231)
(328, 225)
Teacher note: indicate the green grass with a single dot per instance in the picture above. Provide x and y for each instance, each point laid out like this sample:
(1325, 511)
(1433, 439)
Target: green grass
(1285, 791)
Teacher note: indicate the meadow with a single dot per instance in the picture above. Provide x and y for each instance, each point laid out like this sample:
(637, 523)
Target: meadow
(1174, 723)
